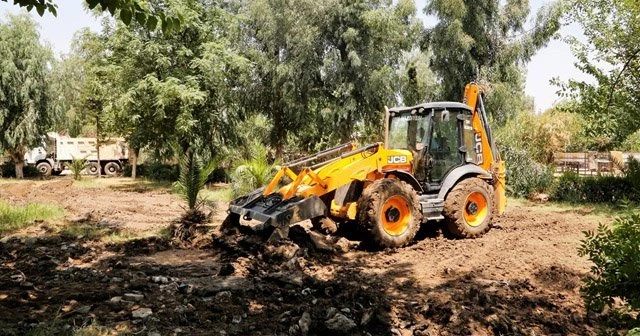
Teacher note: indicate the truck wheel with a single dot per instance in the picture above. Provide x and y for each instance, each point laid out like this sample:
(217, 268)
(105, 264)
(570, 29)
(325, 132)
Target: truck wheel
(93, 168)
(468, 208)
(112, 169)
(390, 211)
(44, 168)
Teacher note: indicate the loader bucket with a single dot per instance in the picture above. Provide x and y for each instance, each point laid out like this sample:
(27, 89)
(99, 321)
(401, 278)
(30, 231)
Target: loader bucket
(273, 211)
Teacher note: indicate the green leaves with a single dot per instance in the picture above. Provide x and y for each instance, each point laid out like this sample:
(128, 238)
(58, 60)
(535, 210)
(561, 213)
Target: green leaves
(486, 40)
(26, 98)
(125, 16)
(611, 55)
(125, 10)
(615, 253)
(151, 22)
(193, 178)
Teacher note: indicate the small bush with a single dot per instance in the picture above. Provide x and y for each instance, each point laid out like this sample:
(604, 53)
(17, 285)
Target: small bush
(8, 169)
(16, 217)
(140, 170)
(77, 166)
(156, 171)
(600, 189)
(570, 188)
(524, 175)
(253, 172)
(615, 253)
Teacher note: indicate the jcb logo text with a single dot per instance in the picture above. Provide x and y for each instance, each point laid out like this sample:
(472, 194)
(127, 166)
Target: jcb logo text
(397, 159)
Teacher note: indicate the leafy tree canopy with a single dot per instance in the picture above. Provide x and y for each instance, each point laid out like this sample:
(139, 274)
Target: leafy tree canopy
(26, 109)
(489, 41)
(611, 56)
(126, 10)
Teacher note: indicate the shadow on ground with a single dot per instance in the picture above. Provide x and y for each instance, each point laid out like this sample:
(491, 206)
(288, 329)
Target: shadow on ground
(237, 285)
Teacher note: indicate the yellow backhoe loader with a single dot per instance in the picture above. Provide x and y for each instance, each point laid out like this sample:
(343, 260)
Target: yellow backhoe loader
(438, 162)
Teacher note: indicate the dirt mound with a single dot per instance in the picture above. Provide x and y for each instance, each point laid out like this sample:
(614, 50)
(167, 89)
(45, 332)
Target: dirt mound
(521, 278)
(15, 190)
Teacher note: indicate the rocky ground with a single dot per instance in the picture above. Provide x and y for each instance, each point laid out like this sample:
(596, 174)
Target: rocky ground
(522, 278)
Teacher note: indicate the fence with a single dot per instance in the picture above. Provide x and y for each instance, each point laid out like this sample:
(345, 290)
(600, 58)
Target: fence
(593, 163)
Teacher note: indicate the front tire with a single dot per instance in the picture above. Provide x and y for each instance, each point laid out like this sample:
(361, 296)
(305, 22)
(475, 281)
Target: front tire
(468, 208)
(44, 168)
(390, 211)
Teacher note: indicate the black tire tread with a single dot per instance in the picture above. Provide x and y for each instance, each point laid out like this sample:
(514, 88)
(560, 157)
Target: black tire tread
(454, 208)
(370, 203)
(106, 170)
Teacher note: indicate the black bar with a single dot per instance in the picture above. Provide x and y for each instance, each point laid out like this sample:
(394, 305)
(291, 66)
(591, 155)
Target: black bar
(347, 154)
(318, 155)
(487, 128)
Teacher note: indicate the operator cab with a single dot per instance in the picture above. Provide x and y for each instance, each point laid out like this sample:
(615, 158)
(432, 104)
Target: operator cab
(439, 134)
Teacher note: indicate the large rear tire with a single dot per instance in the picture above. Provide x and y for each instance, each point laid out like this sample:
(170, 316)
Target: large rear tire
(93, 168)
(468, 208)
(390, 211)
(112, 168)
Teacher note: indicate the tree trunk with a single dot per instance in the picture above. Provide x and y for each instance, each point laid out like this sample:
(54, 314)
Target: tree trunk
(18, 159)
(133, 157)
(19, 170)
(98, 144)
(280, 150)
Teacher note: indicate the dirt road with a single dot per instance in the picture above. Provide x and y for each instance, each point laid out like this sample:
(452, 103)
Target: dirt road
(522, 278)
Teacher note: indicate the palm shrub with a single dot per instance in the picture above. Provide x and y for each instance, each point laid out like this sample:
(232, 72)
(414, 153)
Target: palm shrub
(254, 171)
(615, 253)
(77, 166)
(193, 178)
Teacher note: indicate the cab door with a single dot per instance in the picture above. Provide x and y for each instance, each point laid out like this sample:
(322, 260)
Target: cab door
(446, 150)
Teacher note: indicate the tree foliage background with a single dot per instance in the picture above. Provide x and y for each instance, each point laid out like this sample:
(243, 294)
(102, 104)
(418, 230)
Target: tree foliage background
(295, 75)
(611, 56)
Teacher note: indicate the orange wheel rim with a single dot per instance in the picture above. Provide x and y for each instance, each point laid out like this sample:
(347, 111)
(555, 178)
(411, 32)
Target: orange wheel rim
(476, 209)
(396, 215)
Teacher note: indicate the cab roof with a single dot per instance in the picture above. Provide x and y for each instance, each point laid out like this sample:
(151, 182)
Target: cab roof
(433, 105)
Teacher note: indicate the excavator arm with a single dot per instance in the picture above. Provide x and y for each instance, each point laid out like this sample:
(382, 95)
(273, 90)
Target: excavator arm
(489, 159)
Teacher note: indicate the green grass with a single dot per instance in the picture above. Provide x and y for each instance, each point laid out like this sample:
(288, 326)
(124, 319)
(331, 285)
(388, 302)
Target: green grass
(601, 211)
(16, 217)
(88, 231)
(218, 193)
(119, 237)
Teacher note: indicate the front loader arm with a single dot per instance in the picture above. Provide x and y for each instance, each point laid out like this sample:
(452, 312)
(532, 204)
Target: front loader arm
(330, 175)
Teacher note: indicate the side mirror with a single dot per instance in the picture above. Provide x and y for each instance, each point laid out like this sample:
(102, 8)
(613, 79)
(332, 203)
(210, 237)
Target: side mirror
(445, 116)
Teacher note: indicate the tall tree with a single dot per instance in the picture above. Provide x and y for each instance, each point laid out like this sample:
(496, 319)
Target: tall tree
(611, 56)
(26, 109)
(178, 87)
(125, 10)
(331, 63)
(364, 43)
(284, 42)
(418, 84)
(489, 41)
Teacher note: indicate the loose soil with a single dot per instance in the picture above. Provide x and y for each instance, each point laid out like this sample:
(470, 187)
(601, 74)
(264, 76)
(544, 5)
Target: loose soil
(521, 278)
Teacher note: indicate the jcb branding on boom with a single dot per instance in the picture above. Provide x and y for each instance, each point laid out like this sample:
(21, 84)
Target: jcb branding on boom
(396, 159)
(479, 156)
